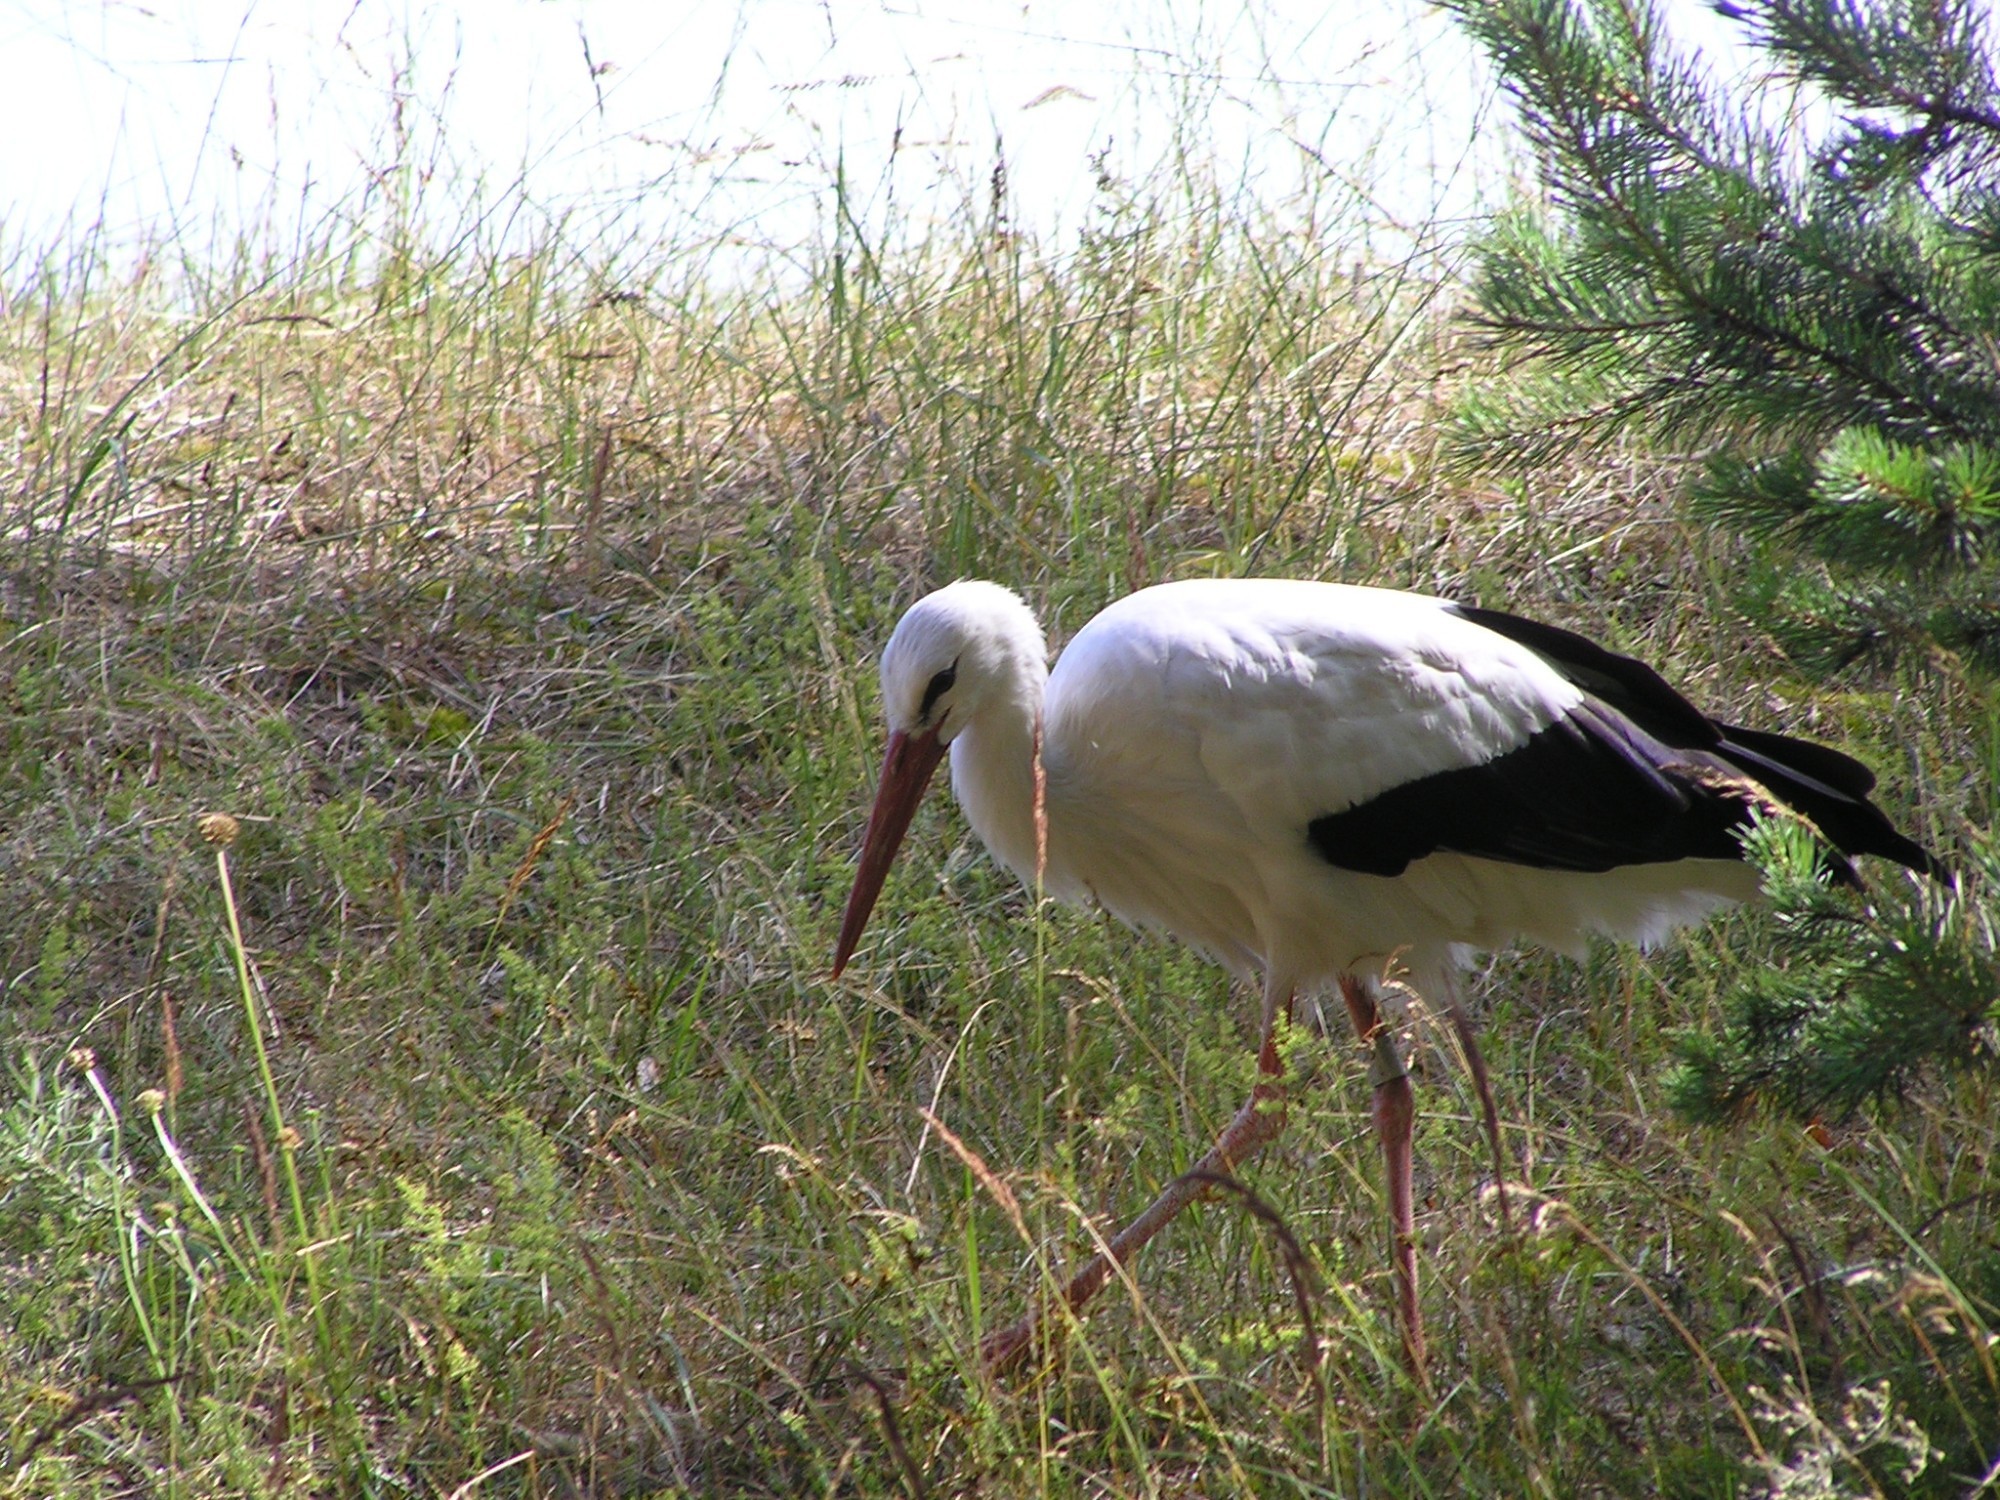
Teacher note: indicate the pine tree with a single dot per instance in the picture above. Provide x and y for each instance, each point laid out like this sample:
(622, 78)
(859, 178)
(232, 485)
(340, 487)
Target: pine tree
(1811, 299)
(1831, 316)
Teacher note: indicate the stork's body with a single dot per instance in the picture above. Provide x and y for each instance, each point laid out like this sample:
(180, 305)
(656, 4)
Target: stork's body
(1312, 781)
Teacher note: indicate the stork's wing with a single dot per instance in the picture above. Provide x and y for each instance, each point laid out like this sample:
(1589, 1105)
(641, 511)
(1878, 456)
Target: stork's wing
(1377, 726)
(1625, 774)
(1381, 727)
(1592, 791)
(1288, 700)
(1828, 788)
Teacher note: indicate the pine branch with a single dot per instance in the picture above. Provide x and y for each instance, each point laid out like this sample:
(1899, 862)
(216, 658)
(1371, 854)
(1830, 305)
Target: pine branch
(1924, 60)
(1868, 996)
(1689, 251)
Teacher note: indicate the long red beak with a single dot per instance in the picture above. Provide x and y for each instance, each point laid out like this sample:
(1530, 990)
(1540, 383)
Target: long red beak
(906, 771)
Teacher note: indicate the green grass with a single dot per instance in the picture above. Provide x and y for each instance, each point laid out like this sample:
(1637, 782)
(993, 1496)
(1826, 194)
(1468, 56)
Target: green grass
(521, 615)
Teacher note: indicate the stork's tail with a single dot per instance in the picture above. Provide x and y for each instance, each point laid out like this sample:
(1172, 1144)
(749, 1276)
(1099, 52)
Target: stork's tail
(1829, 789)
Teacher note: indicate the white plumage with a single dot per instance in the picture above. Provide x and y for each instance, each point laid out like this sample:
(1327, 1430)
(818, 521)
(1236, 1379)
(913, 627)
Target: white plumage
(1315, 782)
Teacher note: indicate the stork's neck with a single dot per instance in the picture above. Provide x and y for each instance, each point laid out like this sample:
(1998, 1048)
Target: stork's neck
(993, 768)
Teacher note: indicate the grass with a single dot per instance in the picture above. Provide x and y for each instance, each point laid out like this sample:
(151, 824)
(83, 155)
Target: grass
(470, 1112)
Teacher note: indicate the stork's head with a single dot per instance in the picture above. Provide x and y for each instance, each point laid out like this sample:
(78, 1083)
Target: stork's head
(954, 653)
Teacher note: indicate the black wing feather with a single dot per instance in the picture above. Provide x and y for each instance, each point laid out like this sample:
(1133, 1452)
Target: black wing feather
(1623, 682)
(1635, 774)
(1591, 792)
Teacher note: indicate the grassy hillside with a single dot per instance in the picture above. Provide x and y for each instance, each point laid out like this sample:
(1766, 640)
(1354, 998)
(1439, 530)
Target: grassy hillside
(467, 1110)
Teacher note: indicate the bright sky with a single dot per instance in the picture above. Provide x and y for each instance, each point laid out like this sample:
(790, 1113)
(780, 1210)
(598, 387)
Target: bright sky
(211, 119)
(219, 123)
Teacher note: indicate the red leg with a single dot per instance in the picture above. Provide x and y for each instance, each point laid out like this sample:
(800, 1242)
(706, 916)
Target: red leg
(1256, 1124)
(1395, 1117)
(1475, 1064)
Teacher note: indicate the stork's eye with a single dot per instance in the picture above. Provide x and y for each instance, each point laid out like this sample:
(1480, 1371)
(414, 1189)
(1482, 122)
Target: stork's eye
(939, 686)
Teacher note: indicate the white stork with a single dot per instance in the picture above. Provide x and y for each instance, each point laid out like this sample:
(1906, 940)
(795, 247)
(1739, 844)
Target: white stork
(1314, 782)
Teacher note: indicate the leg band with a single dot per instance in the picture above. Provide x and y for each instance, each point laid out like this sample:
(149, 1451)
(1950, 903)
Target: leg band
(1387, 1064)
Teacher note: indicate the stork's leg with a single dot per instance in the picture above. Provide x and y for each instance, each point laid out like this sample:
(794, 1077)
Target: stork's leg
(1475, 1064)
(1256, 1124)
(1395, 1117)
